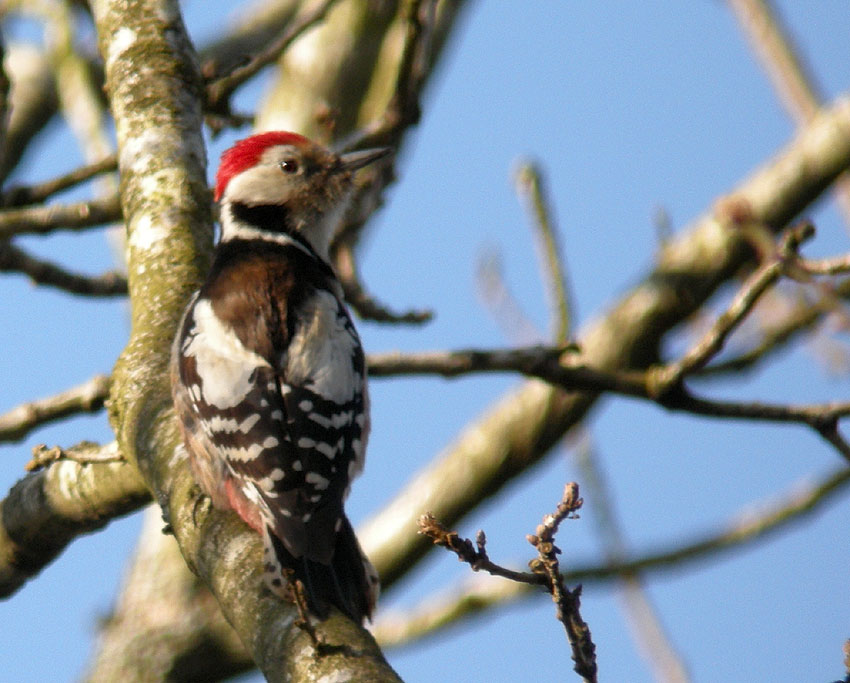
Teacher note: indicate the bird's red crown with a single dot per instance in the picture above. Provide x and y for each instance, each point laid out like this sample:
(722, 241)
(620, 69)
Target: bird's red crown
(245, 153)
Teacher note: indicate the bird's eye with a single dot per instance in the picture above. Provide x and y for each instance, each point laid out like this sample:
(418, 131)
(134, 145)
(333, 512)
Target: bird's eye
(289, 166)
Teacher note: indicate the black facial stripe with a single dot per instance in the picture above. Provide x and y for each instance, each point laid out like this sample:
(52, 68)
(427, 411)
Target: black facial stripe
(271, 217)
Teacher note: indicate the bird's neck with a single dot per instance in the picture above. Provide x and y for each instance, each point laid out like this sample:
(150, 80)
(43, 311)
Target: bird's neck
(277, 224)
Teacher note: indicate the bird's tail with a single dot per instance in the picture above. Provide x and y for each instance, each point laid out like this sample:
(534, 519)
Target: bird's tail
(349, 582)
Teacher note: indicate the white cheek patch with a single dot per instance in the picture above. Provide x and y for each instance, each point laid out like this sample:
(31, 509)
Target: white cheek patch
(224, 365)
(262, 184)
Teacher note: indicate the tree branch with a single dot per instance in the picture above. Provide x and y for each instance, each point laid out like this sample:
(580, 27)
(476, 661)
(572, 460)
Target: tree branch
(18, 195)
(219, 91)
(153, 632)
(16, 260)
(33, 101)
(529, 184)
(545, 572)
(39, 220)
(81, 491)
(787, 71)
(515, 433)
(84, 398)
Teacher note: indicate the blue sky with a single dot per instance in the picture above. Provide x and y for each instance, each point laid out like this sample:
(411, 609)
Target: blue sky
(654, 104)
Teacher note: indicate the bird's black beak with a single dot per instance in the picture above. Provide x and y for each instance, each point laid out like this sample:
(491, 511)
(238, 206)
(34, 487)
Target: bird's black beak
(354, 160)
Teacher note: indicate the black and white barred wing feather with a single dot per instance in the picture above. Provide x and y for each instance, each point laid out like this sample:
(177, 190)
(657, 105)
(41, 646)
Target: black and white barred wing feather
(280, 443)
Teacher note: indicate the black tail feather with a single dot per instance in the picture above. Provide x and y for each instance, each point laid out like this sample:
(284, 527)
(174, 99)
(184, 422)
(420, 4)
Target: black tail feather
(349, 582)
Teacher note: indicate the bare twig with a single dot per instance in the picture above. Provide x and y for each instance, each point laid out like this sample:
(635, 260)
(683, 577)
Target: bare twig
(480, 593)
(706, 348)
(35, 194)
(779, 57)
(84, 453)
(84, 398)
(802, 499)
(545, 572)
(567, 601)
(546, 364)
(366, 306)
(401, 112)
(530, 360)
(5, 87)
(473, 555)
(14, 259)
(38, 220)
(500, 301)
(33, 100)
(802, 317)
(529, 183)
(219, 91)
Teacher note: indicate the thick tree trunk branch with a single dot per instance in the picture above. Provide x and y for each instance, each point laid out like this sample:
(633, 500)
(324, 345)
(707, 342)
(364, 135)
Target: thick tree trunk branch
(153, 634)
(516, 433)
(46, 510)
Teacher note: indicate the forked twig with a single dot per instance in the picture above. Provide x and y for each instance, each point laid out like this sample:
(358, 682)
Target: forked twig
(545, 572)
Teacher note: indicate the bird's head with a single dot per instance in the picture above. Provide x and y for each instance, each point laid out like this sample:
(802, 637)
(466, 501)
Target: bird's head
(280, 182)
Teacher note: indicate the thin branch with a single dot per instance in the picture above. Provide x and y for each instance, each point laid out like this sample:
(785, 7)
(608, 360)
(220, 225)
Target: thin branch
(567, 601)
(530, 360)
(5, 98)
(802, 318)
(88, 397)
(757, 284)
(16, 260)
(39, 220)
(33, 101)
(500, 301)
(545, 572)
(401, 112)
(545, 363)
(255, 23)
(846, 650)
(474, 555)
(18, 195)
(802, 499)
(529, 183)
(219, 91)
(778, 55)
(366, 306)
(831, 266)
(82, 490)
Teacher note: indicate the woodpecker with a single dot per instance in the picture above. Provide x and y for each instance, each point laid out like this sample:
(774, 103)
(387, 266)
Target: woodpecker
(268, 373)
